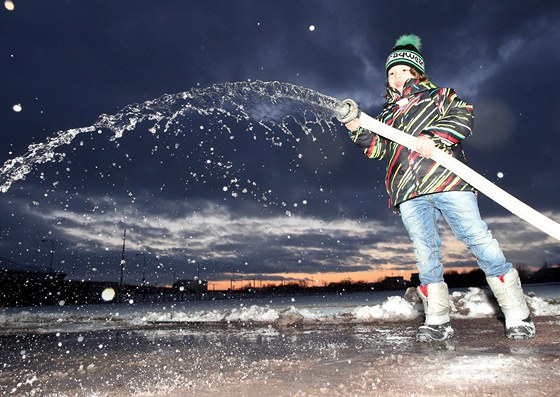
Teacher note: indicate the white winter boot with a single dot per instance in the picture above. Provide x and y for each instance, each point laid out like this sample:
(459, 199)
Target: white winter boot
(437, 325)
(507, 290)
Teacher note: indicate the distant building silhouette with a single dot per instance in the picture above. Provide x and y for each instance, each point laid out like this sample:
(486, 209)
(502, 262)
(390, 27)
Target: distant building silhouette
(394, 282)
(22, 285)
(190, 286)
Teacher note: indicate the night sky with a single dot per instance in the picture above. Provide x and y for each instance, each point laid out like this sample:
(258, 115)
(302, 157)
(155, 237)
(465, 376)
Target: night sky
(198, 198)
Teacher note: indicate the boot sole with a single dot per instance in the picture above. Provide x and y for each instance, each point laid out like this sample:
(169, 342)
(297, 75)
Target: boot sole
(427, 334)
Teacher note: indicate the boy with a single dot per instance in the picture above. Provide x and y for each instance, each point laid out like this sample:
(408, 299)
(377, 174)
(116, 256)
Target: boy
(421, 190)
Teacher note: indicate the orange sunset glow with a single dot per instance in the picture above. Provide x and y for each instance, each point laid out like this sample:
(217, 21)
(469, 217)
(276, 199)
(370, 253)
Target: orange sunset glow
(313, 279)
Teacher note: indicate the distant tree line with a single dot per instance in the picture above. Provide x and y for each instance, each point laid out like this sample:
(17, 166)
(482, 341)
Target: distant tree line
(27, 289)
(454, 279)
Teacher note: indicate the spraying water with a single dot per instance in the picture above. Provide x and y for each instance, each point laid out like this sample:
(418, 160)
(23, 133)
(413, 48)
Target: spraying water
(270, 105)
(162, 168)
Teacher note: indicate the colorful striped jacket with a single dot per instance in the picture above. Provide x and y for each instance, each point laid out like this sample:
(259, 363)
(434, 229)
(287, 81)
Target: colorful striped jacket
(423, 109)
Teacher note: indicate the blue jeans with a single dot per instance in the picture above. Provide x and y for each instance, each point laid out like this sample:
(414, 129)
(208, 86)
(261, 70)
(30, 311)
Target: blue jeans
(460, 210)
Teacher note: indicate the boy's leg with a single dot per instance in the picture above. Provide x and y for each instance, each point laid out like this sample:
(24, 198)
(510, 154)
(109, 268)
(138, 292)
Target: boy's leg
(420, 219)
(437, 325)
(461, 211)
(507, 290)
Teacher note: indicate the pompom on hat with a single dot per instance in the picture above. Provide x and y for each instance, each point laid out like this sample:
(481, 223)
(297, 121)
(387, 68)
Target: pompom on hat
(407, 52)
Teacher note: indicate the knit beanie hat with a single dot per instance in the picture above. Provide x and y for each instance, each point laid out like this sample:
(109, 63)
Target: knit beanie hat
(407, 52)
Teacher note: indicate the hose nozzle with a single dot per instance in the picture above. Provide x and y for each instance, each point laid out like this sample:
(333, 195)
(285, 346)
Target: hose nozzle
(346, 110)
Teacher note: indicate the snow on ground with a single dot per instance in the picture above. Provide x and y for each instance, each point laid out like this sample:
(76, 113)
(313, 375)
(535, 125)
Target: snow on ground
(333, 309)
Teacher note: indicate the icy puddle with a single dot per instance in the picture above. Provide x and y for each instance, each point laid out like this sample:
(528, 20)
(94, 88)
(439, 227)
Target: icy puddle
(304, 360)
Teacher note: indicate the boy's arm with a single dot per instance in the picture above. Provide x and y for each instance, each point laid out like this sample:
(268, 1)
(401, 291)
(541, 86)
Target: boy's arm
(373, 145)
(456, 122)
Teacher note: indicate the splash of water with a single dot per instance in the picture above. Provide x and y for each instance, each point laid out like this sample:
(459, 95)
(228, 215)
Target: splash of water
(271, 105)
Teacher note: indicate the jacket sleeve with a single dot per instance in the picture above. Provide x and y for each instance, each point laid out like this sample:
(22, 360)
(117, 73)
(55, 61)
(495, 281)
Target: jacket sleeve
(456, 121)
(373, 145)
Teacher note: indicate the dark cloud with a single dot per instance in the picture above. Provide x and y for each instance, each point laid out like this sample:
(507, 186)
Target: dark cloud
(246, 198)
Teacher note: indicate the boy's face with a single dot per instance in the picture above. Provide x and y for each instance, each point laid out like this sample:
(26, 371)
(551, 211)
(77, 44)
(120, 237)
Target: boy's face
(398, 75)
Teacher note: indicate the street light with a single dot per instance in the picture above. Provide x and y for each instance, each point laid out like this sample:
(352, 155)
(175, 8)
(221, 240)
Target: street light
(123, 262)
(144, 269)
(143, 276)
(194, 262)
(52, 252)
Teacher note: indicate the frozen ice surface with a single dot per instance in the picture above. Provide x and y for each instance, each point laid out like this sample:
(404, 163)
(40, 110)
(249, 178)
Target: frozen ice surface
(339, 345)
(304, 360)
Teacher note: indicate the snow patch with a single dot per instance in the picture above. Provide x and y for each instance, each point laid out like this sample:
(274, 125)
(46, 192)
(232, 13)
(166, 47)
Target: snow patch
(280, 311)
(394, 308)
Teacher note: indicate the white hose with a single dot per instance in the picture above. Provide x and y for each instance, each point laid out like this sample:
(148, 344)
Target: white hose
(349, 108)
